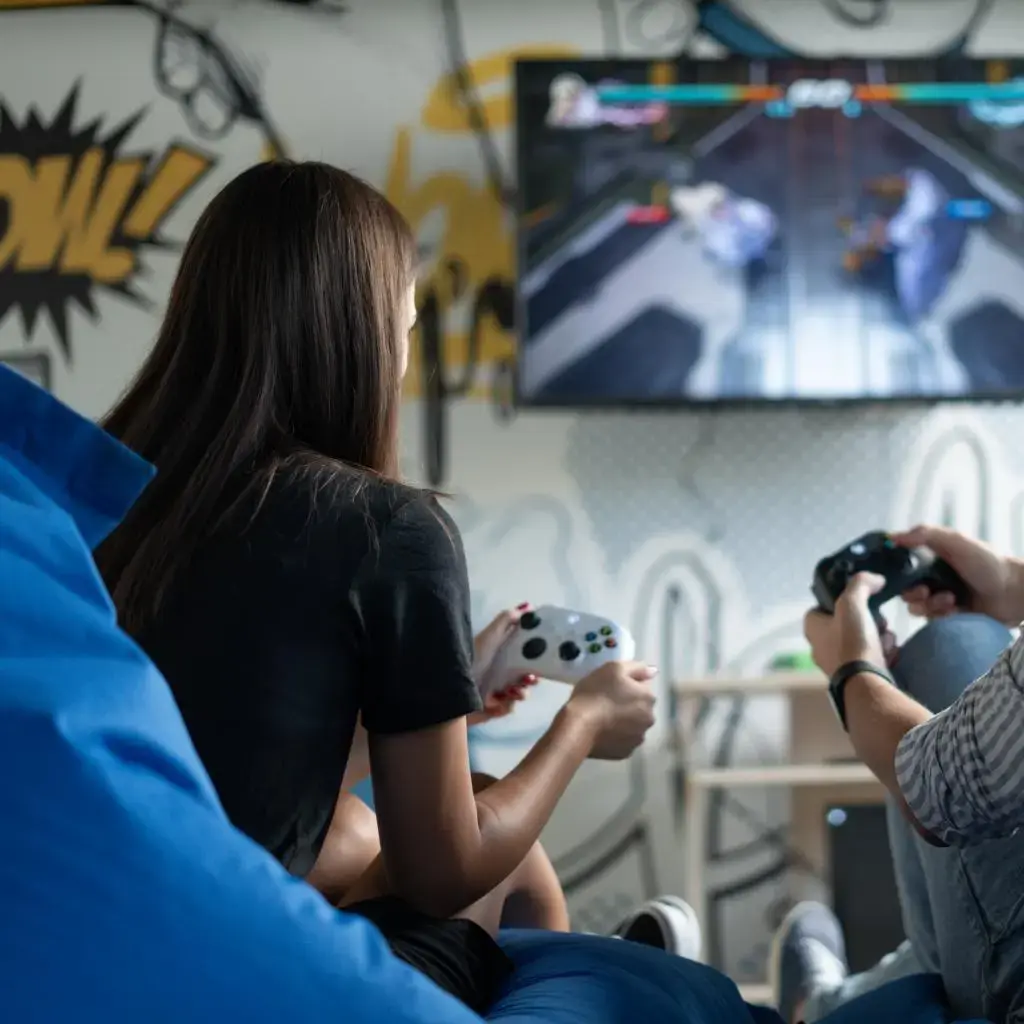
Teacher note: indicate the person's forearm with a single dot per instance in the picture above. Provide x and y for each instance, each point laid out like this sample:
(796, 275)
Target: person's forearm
(878, 716)
(484, 839)
(514, 810)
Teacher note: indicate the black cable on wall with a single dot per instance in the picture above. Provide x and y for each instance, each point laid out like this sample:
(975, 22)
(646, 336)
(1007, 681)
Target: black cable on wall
(458, 68)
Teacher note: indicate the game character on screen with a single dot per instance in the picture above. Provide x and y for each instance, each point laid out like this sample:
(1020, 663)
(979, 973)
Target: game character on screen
(924, 240)
(735, 231)
(575, 104)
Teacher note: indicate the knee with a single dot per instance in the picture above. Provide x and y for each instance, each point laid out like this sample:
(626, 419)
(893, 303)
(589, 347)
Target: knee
(351, 845)
(943, 658)
(353, 819)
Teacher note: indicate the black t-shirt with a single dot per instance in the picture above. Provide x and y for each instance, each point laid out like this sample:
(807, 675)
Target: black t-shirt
(336, 598)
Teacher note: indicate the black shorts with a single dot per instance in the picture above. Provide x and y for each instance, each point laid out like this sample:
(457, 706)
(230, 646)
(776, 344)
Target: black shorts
(457, 955)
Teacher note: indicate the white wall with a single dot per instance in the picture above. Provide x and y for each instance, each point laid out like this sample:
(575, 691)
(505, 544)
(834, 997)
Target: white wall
(698, 531)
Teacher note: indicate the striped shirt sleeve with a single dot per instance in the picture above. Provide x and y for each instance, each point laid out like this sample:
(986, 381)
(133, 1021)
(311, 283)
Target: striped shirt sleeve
(962, 772)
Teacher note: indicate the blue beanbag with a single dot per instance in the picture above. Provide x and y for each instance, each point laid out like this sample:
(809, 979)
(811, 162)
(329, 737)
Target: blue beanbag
(125, 894)
(918, 999)
(569, 979)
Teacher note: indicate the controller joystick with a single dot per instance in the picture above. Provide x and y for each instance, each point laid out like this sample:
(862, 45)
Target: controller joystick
(902, 568)
(534, 648)
(559, 644)
(569, 651)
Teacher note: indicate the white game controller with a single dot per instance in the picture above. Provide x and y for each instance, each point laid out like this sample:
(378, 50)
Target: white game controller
(560, 644)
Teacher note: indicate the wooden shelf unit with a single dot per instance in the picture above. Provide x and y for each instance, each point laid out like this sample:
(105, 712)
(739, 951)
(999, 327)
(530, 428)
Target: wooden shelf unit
(820, 771)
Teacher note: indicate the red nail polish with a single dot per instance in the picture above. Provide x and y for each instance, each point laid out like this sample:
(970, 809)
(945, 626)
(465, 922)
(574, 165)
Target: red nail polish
(522, 607)
(529, 680)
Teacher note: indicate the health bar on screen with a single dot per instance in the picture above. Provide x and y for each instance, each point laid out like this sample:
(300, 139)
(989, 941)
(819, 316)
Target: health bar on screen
(695, 95)
(730, 95)
(942, 92)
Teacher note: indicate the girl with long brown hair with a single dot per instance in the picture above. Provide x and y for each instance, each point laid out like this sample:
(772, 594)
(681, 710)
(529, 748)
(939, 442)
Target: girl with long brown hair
(289, 586)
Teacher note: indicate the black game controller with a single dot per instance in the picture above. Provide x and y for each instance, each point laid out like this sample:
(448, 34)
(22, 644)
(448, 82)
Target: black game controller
(902, 568)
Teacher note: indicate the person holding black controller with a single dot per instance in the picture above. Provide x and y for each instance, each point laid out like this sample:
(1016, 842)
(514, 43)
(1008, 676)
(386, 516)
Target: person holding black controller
(940, 722)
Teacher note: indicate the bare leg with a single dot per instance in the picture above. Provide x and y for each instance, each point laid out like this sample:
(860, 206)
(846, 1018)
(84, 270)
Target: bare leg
(530, 897)
(535, 898)
(351, 846)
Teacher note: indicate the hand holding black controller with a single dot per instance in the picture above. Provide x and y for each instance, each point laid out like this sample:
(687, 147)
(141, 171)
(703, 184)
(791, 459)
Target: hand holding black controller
(902, 569)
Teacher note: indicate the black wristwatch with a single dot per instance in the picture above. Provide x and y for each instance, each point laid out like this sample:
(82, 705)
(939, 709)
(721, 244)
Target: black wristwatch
(842, 675)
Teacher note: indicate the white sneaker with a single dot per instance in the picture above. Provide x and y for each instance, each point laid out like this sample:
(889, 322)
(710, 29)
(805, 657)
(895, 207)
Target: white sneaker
(666, 922)
(807, 957)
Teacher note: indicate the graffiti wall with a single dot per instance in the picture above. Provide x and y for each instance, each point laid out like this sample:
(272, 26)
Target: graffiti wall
(118, 123)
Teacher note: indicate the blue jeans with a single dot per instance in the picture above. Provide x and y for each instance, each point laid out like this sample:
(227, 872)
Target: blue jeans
(963, 909)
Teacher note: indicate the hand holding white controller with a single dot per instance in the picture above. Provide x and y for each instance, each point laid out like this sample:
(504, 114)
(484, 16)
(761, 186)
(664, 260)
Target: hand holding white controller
(559, 644)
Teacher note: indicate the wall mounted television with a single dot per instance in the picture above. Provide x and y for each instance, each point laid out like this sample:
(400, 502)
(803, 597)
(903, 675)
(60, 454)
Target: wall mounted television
(740, 231)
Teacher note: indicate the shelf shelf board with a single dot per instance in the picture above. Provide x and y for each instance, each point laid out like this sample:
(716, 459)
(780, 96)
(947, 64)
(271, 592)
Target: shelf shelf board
(782, 775)
(779, 682)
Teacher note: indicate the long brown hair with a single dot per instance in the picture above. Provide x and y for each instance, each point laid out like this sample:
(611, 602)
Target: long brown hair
(281, 342)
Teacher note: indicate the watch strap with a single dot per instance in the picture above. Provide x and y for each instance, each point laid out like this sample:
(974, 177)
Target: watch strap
(843, 674)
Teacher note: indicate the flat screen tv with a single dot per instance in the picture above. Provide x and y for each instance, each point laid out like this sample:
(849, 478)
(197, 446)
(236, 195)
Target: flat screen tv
(747, 231)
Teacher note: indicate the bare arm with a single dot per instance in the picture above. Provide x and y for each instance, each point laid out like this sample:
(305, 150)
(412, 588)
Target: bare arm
(878, 716)
(958, 775)
(444, 847)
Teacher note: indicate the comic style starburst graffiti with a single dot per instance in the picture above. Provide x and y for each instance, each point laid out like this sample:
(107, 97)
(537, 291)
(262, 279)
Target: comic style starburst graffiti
(78, 211)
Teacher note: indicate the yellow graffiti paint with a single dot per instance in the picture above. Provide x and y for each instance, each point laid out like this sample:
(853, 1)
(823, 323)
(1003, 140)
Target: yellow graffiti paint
(269, 151)
(478, 232)
(65, 213)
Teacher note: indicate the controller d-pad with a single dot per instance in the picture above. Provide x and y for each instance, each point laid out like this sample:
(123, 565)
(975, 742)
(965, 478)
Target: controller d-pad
(534, 648)
(569, 651)
(530, 620)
